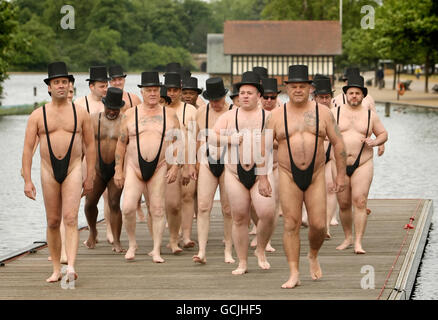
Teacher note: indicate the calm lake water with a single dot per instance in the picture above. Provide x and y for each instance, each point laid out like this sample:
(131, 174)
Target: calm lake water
(405, 171)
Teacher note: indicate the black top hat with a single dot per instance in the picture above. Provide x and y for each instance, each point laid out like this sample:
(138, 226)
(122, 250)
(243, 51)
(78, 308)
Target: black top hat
(173, 67)
(163, 94)
(261, 71)
(116, 72)
(149, 79)
(298, 73)
(235, 92)
(191, 83)
(98, 74)
(185, 74)
(318, 76)
(351, 71)
(356, 81)
(214, 89)
(250, 78)
(71, 78)
(322, 85)
(172, 80)
(56, 70)
(270, 85)
(113, 98)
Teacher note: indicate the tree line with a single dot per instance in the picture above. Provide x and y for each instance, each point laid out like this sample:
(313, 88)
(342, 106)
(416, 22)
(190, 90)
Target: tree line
(148, 34)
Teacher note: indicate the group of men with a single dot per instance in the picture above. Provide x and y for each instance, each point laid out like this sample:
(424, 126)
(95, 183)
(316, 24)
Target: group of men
(175, 150)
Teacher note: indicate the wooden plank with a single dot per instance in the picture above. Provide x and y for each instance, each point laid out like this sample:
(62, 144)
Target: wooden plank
(106, 275)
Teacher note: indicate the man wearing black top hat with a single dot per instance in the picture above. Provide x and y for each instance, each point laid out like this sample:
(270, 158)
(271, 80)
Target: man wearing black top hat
(117, 79)
(62, 130)
(300, 127)
(106, 132)
(242, 179)
(234, 96)
(142, 145)
(190, 91)
(357, 123)
(323, 94)
(98, 84)
(211, 174)
(179, 196)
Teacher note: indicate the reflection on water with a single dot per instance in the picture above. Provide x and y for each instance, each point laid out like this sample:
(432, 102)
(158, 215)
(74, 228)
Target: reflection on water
(406, 170)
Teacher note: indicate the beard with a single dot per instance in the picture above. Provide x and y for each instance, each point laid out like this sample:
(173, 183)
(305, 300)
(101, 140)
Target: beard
(356, 103)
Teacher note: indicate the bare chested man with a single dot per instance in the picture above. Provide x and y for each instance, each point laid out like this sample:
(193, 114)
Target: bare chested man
(323, 95)
(241, 182)
(357, 123)
(368, 101)
(106, 131)
(300, 127)
(61, 135)
(98, 84)
(211, 172)
(117, 80)
(179, 196)
(142, 141)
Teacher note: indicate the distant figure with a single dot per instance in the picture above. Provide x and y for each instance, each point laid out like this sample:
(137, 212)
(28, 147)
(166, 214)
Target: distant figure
(62, 130)
(357, 123)
(380, 78)
(418, 72)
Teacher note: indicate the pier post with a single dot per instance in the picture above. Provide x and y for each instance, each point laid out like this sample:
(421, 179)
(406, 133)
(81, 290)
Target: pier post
(387, 109)
(34, 91)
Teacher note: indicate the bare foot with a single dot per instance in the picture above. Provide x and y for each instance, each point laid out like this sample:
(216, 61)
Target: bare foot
(261, 257)
(328, 236)
(229, 257)
(344, 245)
(174, 248)
(199, 259)
(240, 270)
(109, 236)
(49, 258)
(358, 249)
(253, 230)
(304, 223)
(254, 242)
(63, 260)
(71, 274)
(368, 211)
(270, 248)
(334, 222)
(55, 277)
(189, 244)
(293, 281)
(130, 254)
(156, 257)
(117, 248)
(315, 268)
(90, 243)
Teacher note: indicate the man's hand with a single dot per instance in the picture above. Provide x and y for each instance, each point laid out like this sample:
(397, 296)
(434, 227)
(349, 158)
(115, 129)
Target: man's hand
(236, 139)
(369, 142)
(265, 187)
(119, 179)
(29, 190)
(381, 150)
(172, 174)
(339, 183)
(87, 186)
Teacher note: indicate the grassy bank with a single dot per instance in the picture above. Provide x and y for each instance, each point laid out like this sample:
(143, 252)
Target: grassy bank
(19, 110)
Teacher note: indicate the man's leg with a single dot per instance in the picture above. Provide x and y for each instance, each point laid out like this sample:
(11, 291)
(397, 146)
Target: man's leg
(207, 185)
(265, 210)
(133, 189)
(156, 190)
(107, 217)
(291, 201)
(315, 200)
(173, 212)
(91, 211)
(330, 198)
(360, 186)
(71, 190)
(345, 215)
(187, 210)
(240, 201)
(52, 202)
(116, 219)
(228, 221)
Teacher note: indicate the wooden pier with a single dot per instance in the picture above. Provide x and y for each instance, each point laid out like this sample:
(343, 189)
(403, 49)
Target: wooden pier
(386, 271)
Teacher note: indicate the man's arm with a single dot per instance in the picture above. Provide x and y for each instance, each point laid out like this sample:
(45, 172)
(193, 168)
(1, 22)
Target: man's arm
(29, 142)
(122, 142)
(379, 131)
(335, 138)
(90, 152)
(267, 144)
